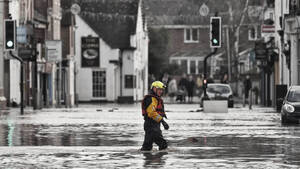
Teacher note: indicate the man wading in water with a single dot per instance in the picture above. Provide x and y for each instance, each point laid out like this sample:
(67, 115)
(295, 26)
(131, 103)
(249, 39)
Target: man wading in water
(153, 112)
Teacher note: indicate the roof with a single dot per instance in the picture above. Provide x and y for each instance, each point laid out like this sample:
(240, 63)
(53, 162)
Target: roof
(113, 20)
(186, 12)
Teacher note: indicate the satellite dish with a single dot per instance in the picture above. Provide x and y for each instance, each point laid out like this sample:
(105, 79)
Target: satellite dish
(75, 9)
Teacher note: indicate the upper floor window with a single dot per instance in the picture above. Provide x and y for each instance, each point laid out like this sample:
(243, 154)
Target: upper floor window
(191, 35)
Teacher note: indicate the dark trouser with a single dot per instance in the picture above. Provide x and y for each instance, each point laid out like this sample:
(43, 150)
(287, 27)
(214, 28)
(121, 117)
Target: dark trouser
(154, 137)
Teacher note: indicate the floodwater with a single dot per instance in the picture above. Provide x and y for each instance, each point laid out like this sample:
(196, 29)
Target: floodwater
(109, 136)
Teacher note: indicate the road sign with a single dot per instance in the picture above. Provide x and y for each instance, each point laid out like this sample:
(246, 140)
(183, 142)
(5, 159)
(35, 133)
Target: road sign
(268, 28)
(54, 50)
(27, 54)
(204, 10)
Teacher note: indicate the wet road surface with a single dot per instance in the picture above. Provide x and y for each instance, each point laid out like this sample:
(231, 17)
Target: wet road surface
(109, 136)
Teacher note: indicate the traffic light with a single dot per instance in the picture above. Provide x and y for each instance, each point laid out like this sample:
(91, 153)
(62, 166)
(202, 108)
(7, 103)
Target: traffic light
(205, 83)
(9, 35)
(215, 32)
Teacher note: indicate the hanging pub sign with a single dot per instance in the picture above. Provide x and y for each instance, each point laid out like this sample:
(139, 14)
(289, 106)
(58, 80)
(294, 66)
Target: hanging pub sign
(90, 52)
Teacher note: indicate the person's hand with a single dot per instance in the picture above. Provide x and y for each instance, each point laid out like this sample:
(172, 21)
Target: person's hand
(165, 124)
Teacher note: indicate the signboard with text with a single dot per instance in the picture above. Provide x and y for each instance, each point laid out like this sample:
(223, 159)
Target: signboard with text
(90, 52)
(26, 54)
(54, 50)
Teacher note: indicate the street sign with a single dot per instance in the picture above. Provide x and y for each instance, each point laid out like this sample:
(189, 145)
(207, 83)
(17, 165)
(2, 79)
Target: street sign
(27, 54)
(90, 54)
(21, 34)
(204, 10)
(54, 50)
(260, 50)
(268, 28)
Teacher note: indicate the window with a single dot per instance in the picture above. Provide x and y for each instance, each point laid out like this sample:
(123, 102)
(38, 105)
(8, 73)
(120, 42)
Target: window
(130, 81)
(252, 33)
(293, 96)
(191, 35)
(183, 66)
(99, 84)
(200, 67)
(193, 67)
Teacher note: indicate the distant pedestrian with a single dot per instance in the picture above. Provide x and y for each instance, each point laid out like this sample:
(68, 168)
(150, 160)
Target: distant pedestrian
(225, 78)
(172, 87)
(199, 85)
(182, 88)
(165, 79)
(247, 86)
(183, 82)
(190, 88)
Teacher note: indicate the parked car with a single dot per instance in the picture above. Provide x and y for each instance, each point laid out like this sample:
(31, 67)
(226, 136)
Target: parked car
(290, 111)
(218, 91)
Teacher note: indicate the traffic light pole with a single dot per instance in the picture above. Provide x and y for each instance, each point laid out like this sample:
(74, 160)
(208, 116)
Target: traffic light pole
(205, 70)
(22, 81)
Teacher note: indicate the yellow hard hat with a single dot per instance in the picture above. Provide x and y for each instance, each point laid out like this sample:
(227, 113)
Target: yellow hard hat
(158, 84)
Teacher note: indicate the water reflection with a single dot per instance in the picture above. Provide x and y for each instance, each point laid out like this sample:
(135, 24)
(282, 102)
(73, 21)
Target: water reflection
(12, 134)
(154, 159)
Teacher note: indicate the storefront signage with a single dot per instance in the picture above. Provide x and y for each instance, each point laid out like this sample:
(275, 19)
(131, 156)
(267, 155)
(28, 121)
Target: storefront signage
(90, 52)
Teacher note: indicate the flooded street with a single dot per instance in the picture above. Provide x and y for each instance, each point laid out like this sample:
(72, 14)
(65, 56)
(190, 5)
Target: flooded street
(109, 136)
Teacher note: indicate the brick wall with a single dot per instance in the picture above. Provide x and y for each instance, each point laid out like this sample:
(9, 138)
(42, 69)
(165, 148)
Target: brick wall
(176, 41)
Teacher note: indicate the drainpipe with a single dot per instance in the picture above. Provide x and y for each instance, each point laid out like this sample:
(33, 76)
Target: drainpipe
(121, 72)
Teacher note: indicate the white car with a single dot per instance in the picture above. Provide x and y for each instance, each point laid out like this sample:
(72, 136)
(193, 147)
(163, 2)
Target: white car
(218, 91)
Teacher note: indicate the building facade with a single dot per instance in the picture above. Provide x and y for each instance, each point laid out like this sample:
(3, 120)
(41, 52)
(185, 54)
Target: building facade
(49, 77)
(111, 52)
(187, 28)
